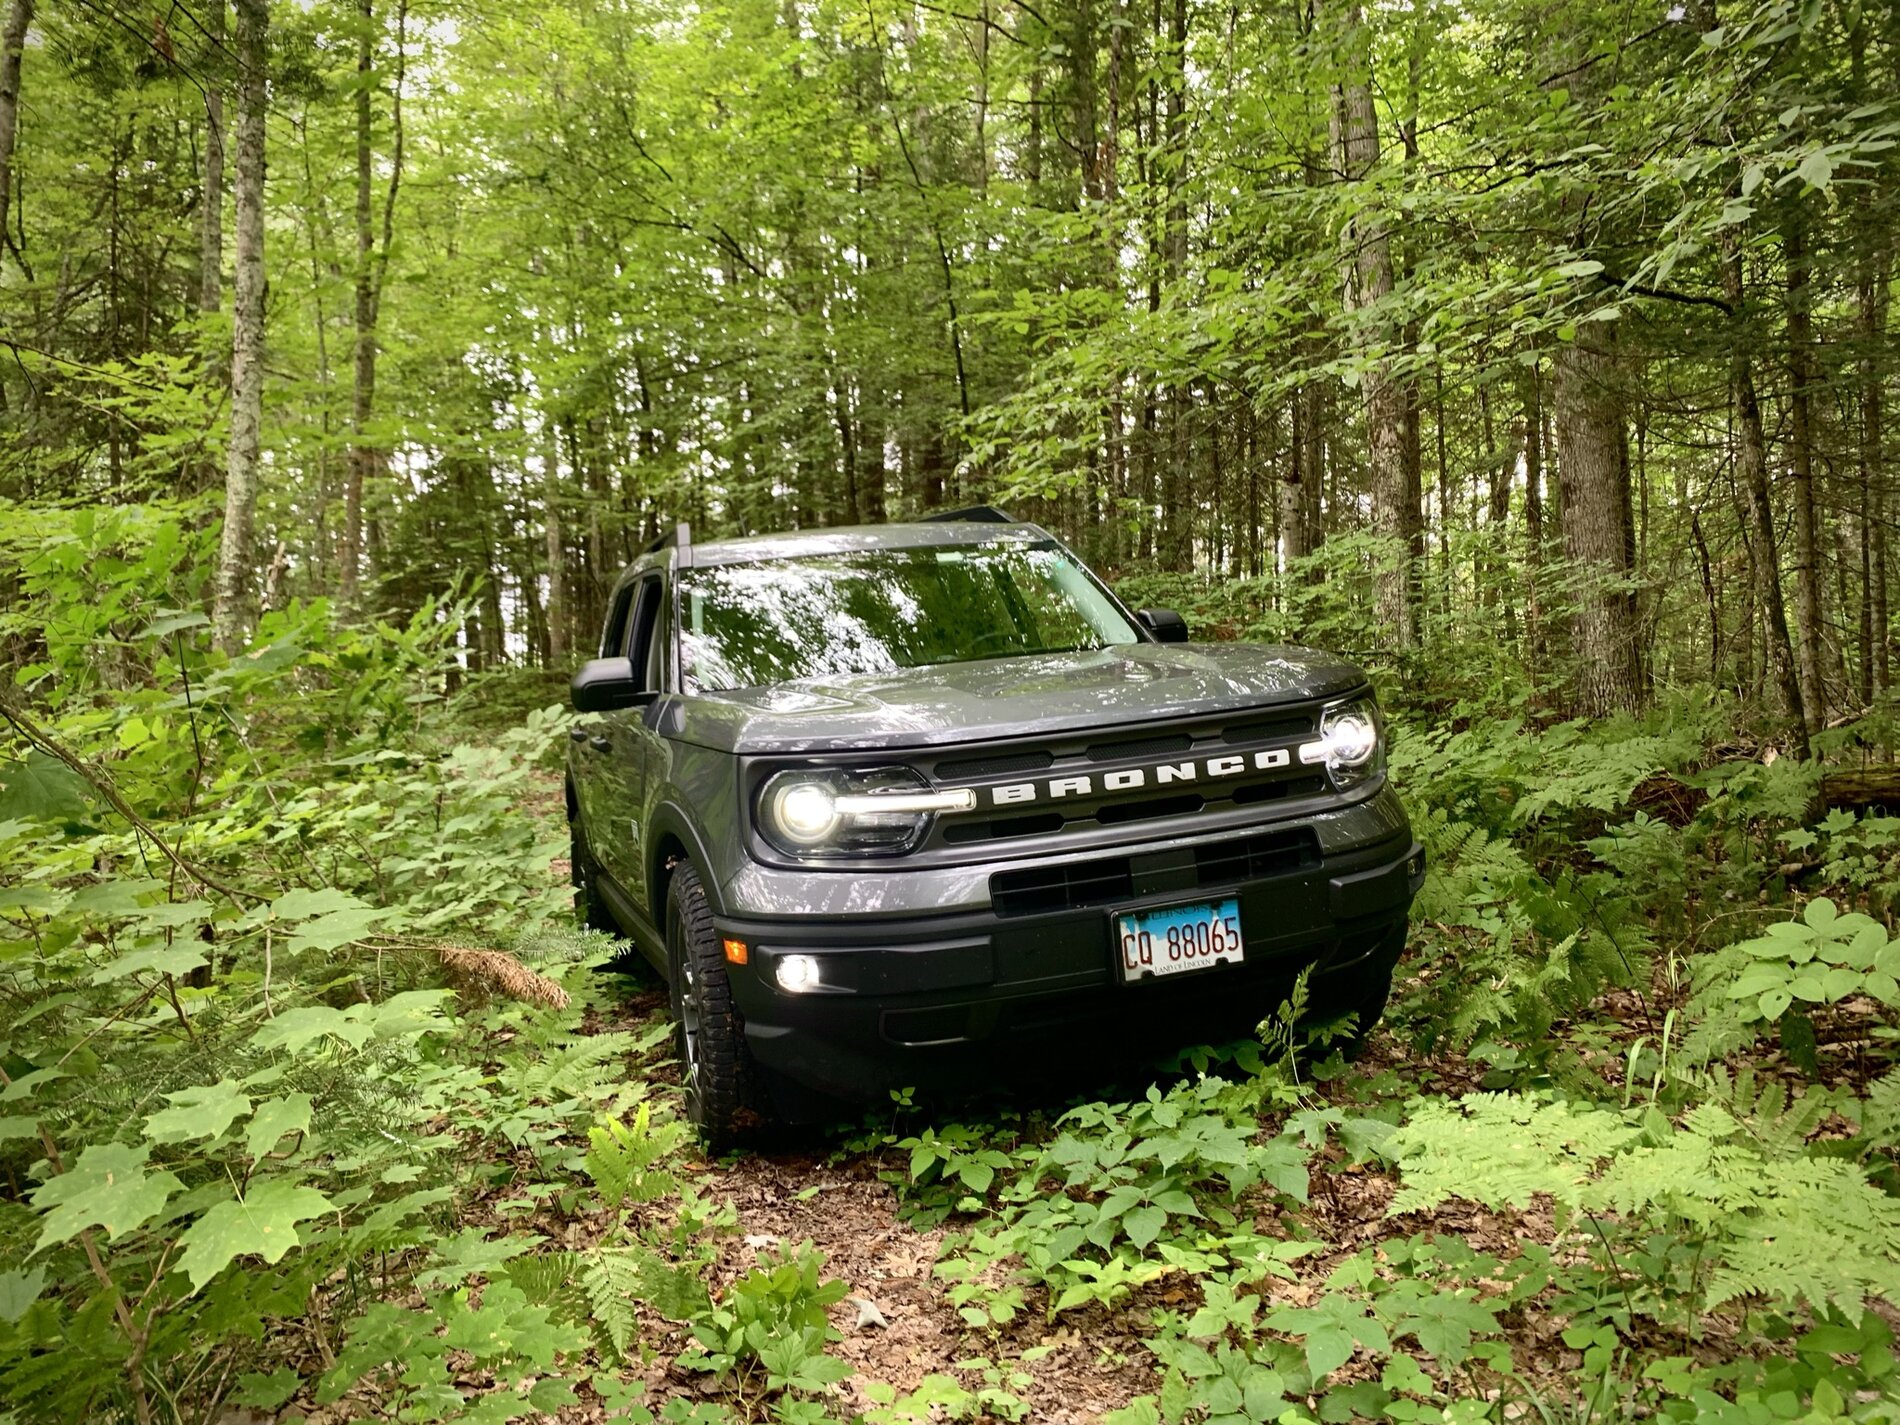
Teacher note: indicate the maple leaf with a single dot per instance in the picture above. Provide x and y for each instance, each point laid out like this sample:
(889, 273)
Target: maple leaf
(201, 1112)
(261, 1225)
(108, 1187)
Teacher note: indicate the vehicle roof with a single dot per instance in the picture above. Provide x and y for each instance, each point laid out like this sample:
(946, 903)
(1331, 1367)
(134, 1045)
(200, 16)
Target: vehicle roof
(842, 539)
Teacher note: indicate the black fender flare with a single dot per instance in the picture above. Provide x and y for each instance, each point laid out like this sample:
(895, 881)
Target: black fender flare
(671, 821)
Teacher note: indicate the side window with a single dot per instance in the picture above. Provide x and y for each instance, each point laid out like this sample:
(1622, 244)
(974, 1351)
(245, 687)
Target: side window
(615, 637)
(644, 649)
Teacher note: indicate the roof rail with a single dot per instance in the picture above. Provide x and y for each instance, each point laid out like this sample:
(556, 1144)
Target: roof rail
(980, 514)
(680, 536)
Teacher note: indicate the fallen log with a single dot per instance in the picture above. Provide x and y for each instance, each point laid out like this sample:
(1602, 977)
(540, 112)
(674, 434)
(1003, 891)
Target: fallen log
(1862, 788)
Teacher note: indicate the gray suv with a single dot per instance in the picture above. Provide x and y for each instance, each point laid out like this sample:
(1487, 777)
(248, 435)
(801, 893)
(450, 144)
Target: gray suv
(923, 804)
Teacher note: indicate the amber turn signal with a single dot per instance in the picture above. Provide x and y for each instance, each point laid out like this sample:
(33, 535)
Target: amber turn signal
(736, 952)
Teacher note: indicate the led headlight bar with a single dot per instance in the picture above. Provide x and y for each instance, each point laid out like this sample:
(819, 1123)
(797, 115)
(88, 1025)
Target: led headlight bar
(1353, 735)
(881, 811)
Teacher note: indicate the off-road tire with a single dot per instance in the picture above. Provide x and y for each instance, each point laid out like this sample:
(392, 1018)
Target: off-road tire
(583, 870)
(716, 1068)
(1366, 1015)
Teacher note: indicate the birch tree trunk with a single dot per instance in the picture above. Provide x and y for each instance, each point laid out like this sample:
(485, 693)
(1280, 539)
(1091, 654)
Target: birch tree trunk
(231, 610)
(211, 212)
(1595, 470)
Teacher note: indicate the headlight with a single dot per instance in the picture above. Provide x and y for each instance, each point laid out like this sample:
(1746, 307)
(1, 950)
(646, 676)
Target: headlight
(1354, 737)
(879, 811)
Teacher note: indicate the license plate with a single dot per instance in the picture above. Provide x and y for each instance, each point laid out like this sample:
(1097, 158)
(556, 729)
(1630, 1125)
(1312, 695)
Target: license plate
(1178, 939)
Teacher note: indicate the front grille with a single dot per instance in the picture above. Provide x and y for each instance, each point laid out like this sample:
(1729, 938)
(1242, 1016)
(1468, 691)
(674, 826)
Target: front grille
(1045, 888)
(1275, 791)
(1147, 810)
(1098, 759)
(1104, 880)
(998, 766)
(1140, 747)
(1267, 729)
(1250, 858)
(1039, 823)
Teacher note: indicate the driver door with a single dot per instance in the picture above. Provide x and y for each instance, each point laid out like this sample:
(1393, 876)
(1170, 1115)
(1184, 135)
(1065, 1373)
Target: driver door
(630, 748)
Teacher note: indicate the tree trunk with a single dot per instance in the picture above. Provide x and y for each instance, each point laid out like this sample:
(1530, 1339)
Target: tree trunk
(1872, 301)
(1294, 544)
(372, 263)
(1177, 480)
(1807, 555)
(1367, 270)
(1752, 466)
(12, 51)
(363, 387)
(1590, 450)
(231, 608)
(211, 211)
(557, 616)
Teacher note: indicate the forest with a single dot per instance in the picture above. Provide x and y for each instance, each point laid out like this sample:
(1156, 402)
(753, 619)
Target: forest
(1535, 354)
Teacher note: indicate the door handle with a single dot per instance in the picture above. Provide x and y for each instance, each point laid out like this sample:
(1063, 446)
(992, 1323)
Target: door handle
(601, 744)
(578, 734)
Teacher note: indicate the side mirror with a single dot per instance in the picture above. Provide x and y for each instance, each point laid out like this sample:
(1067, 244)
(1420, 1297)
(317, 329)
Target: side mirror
(605, 685)
(1165, 624)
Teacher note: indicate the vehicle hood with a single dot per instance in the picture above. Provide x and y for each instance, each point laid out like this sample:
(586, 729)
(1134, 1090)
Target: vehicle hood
(1007, 697)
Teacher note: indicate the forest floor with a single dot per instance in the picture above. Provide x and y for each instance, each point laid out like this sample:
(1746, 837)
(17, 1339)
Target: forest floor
(837, 1189)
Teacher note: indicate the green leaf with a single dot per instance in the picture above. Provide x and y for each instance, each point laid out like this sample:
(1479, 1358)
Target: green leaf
(107, 1187)
(1444, 1323)
(976, 1176)
(202, 1112)
(172, 960)
(1816, 170)
(260, 1225)
(172, 621)
(274, 1118)
(337, 929)
(1144, 1224)
(296, 1029)
(1839, 983)
(267, 1392)
(19, 1289)
(1327, 1349)
(42, 788)
(306, 905)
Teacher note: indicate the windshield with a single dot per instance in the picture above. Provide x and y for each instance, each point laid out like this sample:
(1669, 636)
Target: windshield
(775, 620)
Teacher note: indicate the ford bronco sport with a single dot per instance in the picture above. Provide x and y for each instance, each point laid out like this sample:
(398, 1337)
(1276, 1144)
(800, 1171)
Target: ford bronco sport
(921, 803)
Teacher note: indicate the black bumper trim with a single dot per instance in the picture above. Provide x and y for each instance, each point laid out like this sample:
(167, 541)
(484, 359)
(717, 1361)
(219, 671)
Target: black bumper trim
(898, 995)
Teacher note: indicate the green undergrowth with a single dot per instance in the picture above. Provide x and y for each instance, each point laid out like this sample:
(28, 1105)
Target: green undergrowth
(311, 1099)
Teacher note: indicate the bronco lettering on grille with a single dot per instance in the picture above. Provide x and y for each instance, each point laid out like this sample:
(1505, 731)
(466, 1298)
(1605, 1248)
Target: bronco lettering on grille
(1129, 779)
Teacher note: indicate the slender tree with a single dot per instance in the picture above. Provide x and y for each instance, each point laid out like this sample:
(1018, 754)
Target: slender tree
(1366, 261)
(19, 15)
(231, 608)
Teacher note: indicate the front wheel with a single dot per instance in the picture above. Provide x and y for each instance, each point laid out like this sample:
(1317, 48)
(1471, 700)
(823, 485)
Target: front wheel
(709, 1036)
(1366, 1011)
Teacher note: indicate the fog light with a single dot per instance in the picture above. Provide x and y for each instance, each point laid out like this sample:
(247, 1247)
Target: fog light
(797, 974)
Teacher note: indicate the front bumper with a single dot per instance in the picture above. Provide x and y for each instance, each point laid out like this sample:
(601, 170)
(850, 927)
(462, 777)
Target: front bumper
(937, 1001)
